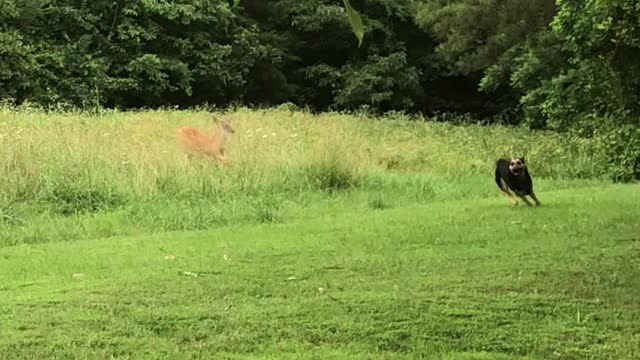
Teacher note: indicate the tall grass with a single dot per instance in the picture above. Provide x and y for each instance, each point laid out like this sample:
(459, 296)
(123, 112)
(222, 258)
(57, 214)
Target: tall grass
(72, 164)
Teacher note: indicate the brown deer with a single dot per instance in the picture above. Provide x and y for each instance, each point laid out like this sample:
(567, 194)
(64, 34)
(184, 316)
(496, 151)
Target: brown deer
(195, 141)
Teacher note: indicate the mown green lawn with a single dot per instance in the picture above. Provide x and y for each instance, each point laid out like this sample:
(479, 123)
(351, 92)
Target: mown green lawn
(461, 279)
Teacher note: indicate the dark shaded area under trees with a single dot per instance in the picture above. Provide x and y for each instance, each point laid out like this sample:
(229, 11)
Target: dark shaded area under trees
(568, 65)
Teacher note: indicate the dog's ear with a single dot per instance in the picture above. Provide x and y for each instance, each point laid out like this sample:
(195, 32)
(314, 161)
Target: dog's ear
(522, 159)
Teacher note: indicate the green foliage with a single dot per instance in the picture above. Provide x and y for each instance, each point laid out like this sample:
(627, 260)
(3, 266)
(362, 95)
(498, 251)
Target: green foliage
(143, 53)
(621, 144)
(524, 65)
(18, 65)
(590, 88)
(595, 80)
(154, 53)
(486, 41)
(595, 92)
(604, 33)
(615, 141)
(379, 82)
(385, 73)
(355, 21)
(475, 34)
(159, 76)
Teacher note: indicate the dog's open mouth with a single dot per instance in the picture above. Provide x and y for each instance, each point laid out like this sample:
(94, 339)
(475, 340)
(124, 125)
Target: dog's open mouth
(515, 170)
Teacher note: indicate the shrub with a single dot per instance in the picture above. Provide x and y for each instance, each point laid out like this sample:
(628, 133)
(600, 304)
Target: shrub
(615, 141)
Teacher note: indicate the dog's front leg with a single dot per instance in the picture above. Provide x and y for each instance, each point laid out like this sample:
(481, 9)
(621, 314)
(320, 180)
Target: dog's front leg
(505, 190)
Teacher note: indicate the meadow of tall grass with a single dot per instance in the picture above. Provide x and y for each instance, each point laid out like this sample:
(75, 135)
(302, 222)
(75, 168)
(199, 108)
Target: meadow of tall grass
(325, 236)
(73, 175)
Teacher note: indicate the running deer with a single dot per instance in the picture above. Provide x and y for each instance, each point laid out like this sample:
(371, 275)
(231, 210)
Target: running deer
(195, 141)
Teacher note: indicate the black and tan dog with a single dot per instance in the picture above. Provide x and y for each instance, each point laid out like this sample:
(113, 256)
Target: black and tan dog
(513, 175)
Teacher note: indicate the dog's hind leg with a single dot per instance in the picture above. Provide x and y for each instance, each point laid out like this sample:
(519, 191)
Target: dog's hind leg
(523, 197)
(504, 189)
(533, 196)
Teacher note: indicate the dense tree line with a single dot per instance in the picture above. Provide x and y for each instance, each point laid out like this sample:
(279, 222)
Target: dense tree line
(549, 63)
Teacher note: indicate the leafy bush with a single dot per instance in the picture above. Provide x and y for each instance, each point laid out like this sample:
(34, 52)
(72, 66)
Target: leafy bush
(616, 143)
